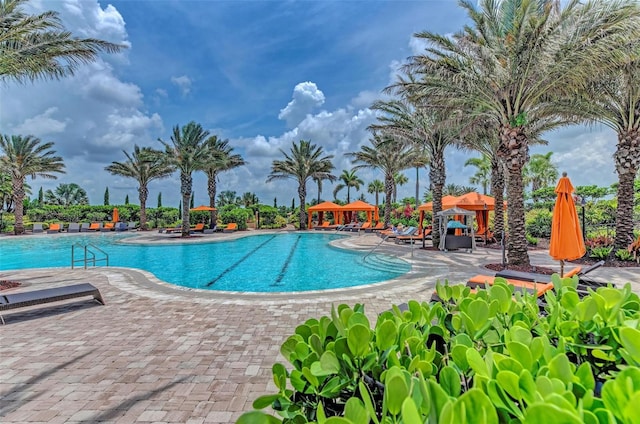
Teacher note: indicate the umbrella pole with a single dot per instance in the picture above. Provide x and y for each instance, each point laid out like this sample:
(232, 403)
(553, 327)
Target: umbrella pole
(561, 268)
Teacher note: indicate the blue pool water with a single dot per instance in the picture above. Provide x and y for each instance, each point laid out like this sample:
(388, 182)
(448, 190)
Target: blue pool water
(261, 263)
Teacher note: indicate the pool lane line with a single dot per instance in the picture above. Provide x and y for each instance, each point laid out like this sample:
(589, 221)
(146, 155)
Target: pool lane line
(283, 271)
(244, 258)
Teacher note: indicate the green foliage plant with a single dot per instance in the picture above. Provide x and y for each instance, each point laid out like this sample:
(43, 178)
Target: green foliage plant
(602, 252)
(538, 223)
(237, 215)
(625, 255)
(486, 356)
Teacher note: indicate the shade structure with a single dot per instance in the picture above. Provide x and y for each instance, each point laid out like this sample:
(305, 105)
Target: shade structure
(321, 208)
(472, 201)
(566, 237)
(360, 206)
(202, 208)
(116, 215)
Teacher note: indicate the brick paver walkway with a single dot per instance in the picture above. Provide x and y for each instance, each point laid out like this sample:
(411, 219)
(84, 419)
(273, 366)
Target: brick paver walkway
(156, 353)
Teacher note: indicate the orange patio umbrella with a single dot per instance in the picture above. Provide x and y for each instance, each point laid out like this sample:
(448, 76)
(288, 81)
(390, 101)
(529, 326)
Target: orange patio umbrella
(566, 243)
(324, 207)
(116, 215)
(203, 208)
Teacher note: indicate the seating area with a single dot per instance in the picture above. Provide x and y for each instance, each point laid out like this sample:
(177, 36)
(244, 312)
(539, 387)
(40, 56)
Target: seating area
(230, 228)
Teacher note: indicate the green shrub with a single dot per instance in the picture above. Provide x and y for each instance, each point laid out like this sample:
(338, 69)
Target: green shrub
(602, 252)
(538, 223)
(237, 215)
(531, 240)
(268, 215)
(624, 255)
(475, 358)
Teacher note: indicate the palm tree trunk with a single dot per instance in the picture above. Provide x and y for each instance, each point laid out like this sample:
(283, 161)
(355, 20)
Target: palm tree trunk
(627, 160)
(143, 193)
(417, 187)
(18, 200)
(388, 190)
(212, 187)
(186, 183)
(302, 194)
(514, 151)
(497, 190)
(438, 177)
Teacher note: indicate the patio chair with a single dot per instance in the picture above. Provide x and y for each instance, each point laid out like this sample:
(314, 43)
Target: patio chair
(74, 227)
(364, 227)
(84, 227)
(95, 226)
(230, 228)
(379, 227)
(37, 228)
(322, 227)
(413, 237)
(108, 226)
(37, 297)
(54, 228)
(132, 226)
(199, 228)
(536, 288)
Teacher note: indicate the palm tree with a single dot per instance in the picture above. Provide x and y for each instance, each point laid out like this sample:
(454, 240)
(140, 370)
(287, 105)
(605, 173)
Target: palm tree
(67, 195)
(38, 46)
(398, 180)
(304, 162)
(228, 197)
(375, 186)
(187, 152)
(482, 177)
(389, 155)
(22, 156)
(349, 179)
(540, 172)
(249, 199)
(221, 158)
(513, 65)
(144, 165)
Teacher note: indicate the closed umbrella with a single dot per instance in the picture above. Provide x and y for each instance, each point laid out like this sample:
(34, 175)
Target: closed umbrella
(566, 243)
(116, 215)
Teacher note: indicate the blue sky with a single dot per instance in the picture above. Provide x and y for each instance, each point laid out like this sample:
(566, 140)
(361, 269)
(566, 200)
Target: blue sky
(260, 73)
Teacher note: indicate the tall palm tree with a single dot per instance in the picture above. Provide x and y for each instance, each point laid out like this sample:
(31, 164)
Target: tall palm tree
(540, 172)
(375, 186)
(249, 199)
(389, 155)
(187, 152)
(144, 165)
(228, 197)
(398, 180)
(304, 162)
(67, 195)
(513, 64)
(39, 47)
(349, 179)
(221, 158)
(21, 156)
(482, 177)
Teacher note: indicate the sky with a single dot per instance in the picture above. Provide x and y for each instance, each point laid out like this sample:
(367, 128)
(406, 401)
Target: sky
(262, 74)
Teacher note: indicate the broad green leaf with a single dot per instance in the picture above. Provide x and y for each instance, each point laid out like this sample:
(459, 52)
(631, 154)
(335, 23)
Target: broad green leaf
(449, 379)
(528, 387)
(310, 377)
(474, 406)
(585, 374)
(367, 401)
(550, 414)
(520, 334)
(560, 367)
(279, 375)
(510, 382)
(501, 400)
(410, 414)
(463, 339)
(257, 417)
(264, 401)
(476, 362)
(521, 353)
(338, 420)
(358, 318)
(355, 411)
(316, 344)
(304, 331)
(459, 355)
(358, 338)
(386, 335)
(332, 388)
(630, 340)
(478, 311)
(395, 392)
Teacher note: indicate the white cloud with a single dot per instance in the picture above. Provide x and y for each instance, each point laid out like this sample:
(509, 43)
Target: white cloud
(42, 125)
(306, 97)
(183, 83)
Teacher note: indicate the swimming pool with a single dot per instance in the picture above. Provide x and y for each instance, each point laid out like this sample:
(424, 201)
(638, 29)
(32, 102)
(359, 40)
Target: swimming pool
(260, 263)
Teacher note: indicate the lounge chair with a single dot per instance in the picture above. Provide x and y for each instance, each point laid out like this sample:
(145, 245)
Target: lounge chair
(84, 227)
(364, 227)
(177, 228)
(199, 228)
(37, 297)
(379, 227)
(531, 276)
(413, 237)
(537, 288)
(323, 226)
(54, 228)
(409, 231)
(121, 226)
(95, 226)
(230, 228)
(132, 226)
(108, 226)
(74, 227)
(37, 228)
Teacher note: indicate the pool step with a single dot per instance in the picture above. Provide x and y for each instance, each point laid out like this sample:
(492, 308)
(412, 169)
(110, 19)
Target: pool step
(383, 263)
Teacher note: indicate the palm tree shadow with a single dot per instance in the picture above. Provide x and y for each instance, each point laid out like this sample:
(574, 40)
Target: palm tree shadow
(8, 406)
(119, 409)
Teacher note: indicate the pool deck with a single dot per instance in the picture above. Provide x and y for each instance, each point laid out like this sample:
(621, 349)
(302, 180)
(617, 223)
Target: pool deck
(161, 354)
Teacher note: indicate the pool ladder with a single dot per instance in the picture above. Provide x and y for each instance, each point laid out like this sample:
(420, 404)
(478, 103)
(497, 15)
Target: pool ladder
(87, 255)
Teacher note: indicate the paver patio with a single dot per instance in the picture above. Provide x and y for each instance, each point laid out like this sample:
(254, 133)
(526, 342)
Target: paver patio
(157, 353)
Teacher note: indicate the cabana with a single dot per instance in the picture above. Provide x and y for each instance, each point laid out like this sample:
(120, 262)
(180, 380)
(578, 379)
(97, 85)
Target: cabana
(360, 206)
(323, 207)
(463, 236)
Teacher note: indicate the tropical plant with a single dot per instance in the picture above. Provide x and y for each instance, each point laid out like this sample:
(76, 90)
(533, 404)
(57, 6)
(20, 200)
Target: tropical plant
(482, 177)
(144, 165)
(348, 179)
(304, 162)
(514, 64)
(399, 180)
(221, 159)
(228, 197)
(249, 199)
(187, 152)
(375, 187)
(66, 195)
(39, 47)
(540, 172)
(388, 155)
(237, 215)
(22, 156)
